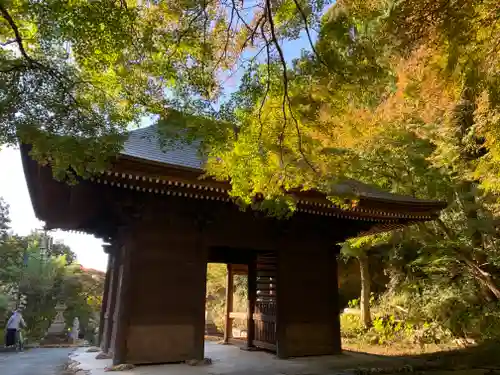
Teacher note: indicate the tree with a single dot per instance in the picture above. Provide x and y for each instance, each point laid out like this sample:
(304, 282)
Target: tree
(41, 281)
(60, 249)
(82, 292)
(44, 279)
(359, 248)
(95, 68)
(75, 75)
(4, 219)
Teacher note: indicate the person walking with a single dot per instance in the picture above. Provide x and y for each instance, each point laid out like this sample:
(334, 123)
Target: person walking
(14, 325)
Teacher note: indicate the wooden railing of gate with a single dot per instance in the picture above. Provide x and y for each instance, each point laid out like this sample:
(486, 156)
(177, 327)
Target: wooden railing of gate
(265, 305)
(265, 325)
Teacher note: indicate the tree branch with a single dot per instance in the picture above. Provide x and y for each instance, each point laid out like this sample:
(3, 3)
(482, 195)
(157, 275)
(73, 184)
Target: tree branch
(268, 86)
(235, 7)
(226, 43)
(306, 26)
(8, 42)
(286, 97)
(19, 39)
(274, 39)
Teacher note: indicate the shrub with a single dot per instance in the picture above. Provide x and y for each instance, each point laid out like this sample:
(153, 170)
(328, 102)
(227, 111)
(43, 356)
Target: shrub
(438, 313)
(351, 325)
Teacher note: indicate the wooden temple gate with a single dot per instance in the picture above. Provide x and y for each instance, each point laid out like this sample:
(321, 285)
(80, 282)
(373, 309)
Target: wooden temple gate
(163, 224)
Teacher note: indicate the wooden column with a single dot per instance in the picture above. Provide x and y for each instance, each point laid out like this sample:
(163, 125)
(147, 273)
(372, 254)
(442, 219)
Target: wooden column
(228, 331)
(105, 296)
(122, 312)
(337, 344)
(252, 296)
(114, 257)
(168, 285)
(307, 300)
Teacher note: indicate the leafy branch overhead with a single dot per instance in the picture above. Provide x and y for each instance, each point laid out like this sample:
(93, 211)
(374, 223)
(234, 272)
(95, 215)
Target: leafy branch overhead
(373, 95)
(83, 70)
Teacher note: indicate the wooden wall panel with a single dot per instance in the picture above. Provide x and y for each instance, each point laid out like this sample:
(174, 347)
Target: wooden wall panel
(308, 322)
(168, 272)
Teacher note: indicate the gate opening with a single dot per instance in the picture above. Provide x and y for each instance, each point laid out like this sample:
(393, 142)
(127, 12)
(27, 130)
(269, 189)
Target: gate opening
(241, 302)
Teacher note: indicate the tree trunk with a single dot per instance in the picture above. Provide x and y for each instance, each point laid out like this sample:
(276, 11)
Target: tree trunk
(469, 205)
(483, 277)
(365, 290)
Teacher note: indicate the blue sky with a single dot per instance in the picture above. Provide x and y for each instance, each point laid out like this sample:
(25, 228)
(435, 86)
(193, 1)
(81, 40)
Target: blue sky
(15, 192)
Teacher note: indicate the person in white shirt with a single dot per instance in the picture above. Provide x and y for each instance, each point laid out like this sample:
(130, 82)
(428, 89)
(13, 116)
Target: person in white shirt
(15, 323)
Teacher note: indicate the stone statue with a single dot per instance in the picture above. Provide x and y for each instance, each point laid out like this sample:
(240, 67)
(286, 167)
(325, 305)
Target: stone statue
(75, 330)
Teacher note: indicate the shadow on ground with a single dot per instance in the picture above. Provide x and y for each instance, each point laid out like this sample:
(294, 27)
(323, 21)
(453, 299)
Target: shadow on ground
(484, 356)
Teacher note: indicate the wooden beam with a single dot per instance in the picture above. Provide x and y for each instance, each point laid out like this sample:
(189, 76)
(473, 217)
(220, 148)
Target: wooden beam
(238, 315)
(228, 330)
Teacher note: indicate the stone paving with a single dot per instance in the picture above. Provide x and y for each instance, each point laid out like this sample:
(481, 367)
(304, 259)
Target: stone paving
(34, 361)
(230, 360)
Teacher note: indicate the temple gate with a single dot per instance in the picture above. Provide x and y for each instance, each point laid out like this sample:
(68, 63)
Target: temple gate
(164, 224)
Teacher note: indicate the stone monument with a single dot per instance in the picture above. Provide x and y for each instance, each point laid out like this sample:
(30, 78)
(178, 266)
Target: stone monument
(56, 334)
(210, 327)
(75, 330)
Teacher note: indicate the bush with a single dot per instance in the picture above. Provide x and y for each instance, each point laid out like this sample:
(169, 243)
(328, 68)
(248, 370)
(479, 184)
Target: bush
(387, 329)
(351, 325)
(432, 313)
(457, 311)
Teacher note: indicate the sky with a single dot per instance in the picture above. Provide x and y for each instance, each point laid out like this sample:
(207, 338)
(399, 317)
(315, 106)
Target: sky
(14, 191)
(88, 249)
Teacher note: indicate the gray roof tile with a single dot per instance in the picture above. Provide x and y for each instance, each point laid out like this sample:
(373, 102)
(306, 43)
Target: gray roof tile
(144, 144)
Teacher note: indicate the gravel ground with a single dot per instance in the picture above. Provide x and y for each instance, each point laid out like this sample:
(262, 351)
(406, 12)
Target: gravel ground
(42, 361)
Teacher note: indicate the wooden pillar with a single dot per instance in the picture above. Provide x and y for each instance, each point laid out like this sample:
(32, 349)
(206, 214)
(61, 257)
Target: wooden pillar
(122, 311)
(114, 257)
(307, 300)
(105, 296)
(228, 331)
(168, 286)
(252, 296)
(337, 344)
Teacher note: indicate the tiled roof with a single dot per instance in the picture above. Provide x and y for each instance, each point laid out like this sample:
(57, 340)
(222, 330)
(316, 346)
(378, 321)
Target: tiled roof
(367, 191)
(144, 144)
